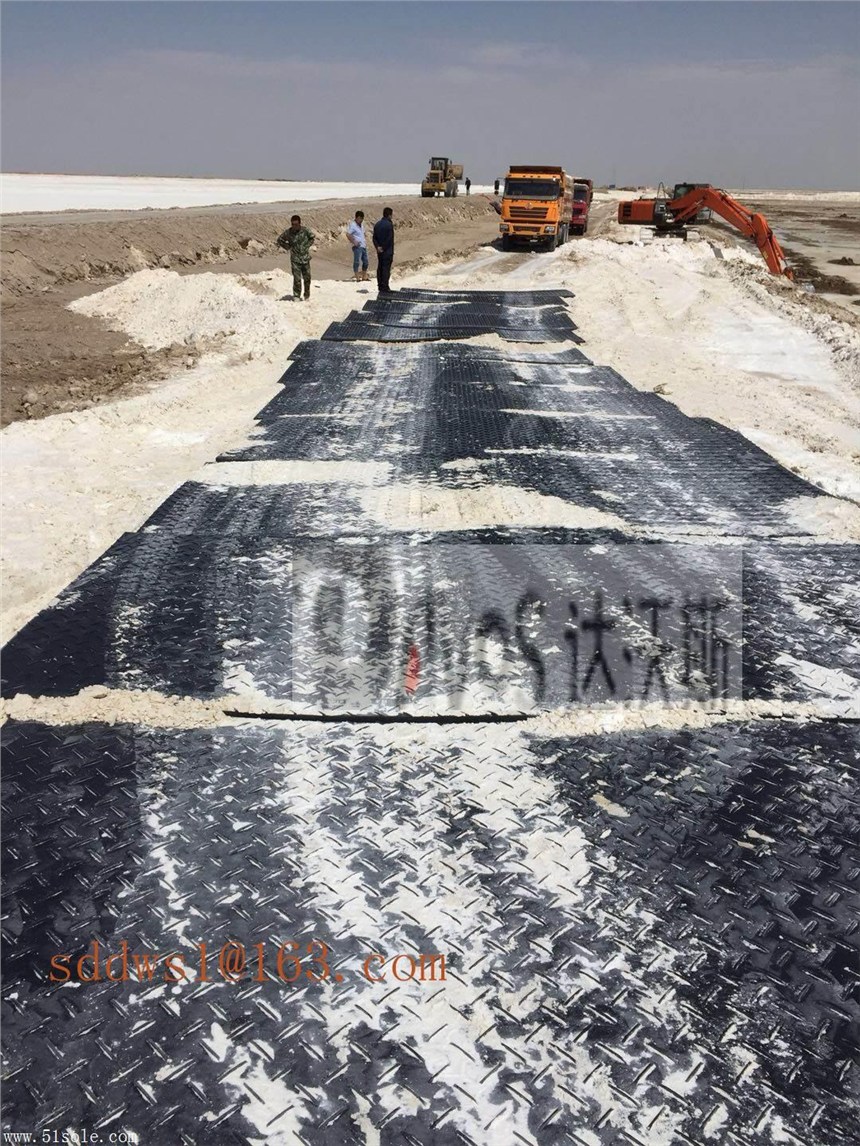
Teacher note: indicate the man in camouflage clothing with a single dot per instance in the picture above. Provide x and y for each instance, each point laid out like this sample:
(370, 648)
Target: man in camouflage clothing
(297, 240)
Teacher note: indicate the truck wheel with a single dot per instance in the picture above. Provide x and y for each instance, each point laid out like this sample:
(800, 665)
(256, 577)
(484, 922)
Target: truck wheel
(426, 194)
(507, 245)
(584, 228)
(552, 243)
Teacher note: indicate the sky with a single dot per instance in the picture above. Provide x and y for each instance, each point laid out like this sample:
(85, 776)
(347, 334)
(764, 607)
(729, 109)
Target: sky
(739, 94)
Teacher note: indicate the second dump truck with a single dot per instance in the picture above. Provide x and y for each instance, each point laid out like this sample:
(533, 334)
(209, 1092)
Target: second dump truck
(442, 178)
(581, 204)
(536, 206)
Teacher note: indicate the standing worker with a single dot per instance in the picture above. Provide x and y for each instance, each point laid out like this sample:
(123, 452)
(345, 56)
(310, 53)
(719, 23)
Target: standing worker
(297, 240)
(468, 184)
(355, 234)
(383, 241)
(496, 187)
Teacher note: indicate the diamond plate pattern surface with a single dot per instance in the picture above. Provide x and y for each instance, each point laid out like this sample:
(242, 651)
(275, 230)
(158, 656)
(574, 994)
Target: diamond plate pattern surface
(525, 298)
(633, 954)
(208, 615)
(574, 431)
(651, 934)
(416, 321)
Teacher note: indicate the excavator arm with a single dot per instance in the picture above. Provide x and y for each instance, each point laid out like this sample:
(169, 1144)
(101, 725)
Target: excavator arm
(673, 214)
(749, 223)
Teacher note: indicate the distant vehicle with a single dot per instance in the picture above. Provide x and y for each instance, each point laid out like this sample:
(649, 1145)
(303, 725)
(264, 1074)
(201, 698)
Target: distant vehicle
(579, 212)
(537, 205)
(442, 178)
(589, 183)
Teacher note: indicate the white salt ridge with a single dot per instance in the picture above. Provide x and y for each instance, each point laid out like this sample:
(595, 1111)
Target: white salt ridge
(48, 192)
(158, 308)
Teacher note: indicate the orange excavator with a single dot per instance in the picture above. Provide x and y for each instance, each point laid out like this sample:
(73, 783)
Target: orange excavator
(671, 215)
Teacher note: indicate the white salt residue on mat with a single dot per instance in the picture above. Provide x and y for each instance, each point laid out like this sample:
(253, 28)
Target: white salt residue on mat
(830, 517)
(428, 506)
(485, 770)
(155, 710)
(293, 473)
(822, 678)
(608, 806)
(261, 1097)
(551, 451)
(600, 415)
(115, 706)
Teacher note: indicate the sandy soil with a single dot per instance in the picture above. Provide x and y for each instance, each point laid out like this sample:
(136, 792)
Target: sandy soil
(701, 323)
(53, 360)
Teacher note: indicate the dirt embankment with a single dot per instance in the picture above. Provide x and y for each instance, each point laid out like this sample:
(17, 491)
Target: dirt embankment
(817, 237)
(54, 360)
(51, 250)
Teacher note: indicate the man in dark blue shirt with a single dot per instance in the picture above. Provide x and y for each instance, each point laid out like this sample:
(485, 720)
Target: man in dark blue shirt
(383, 240)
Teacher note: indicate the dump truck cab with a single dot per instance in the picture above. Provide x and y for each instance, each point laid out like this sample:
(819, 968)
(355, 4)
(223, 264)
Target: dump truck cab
(589, 183)
(537, 204)
(579, 209)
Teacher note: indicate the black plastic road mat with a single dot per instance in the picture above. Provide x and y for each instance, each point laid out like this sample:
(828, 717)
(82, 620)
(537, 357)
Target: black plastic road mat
(458, 314)
(508, 854)
(469, 624)
(333, 934)
(379, 322)
(525, 298)
(328, 356)
(354, 331)
(563, 429)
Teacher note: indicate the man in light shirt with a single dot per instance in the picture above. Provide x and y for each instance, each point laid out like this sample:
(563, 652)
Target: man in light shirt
(356, 236)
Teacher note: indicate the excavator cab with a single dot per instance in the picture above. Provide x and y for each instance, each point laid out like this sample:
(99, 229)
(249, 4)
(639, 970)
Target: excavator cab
(682, 189)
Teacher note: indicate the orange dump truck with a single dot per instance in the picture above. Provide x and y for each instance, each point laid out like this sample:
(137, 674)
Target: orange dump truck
(536, 206)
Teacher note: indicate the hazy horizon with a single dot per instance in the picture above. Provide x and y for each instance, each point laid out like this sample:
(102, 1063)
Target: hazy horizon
(278, 179)
(736, 94)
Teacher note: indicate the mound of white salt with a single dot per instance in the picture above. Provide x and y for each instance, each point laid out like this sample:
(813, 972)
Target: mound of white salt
(158, 308)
